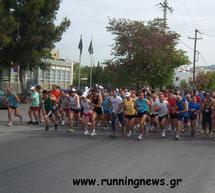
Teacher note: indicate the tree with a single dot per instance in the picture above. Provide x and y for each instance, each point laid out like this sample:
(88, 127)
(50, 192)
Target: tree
(205, 81)
(184, 85)
(145, 54)
(7, 23)
(34, 35)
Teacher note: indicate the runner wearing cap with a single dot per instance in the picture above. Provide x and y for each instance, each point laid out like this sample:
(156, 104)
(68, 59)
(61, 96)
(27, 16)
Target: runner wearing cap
(75, 108)
(130, 113)
(87, 113)
(35, 104)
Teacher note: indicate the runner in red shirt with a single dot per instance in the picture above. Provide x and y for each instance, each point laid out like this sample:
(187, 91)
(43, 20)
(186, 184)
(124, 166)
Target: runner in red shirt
(172, 111)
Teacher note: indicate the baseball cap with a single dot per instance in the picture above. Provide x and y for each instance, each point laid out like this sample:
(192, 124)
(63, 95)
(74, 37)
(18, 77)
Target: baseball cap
(127, 94)
(32, 88)
(74, 90)
(84, 94)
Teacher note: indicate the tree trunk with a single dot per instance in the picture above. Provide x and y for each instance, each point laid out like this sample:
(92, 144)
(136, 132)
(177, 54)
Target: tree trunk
(22, 78)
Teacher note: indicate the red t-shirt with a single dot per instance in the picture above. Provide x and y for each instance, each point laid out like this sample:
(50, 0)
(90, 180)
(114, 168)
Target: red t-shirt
(56, 93)
(172, 103)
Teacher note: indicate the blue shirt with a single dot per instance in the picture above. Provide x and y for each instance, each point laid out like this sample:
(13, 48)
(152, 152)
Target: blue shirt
(194, 106)
(106, 105)
(12, 101)
(141, 105)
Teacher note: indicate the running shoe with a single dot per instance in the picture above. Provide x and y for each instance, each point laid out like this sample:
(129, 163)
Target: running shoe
(30, 122)
(129, 134)
(36, 123)
(113, 134)
(86, 132)
(163, 132)
(207, 131)
(140, 137)
(93, 133)
(177, 137)
(71, 130)
(10, 124)
(55, 127)
(63, 123)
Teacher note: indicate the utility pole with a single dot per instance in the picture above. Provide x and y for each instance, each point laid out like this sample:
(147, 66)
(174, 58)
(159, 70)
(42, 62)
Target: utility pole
(165, 9)
(194, 57)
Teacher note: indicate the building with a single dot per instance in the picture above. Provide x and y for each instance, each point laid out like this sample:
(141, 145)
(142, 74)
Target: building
(183, 73)
(59, 72)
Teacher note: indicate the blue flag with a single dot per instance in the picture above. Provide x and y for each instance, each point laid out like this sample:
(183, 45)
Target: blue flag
(90, 49)
(80, 46)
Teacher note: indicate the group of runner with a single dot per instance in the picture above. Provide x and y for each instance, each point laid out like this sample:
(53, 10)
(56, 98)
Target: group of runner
(131, 111)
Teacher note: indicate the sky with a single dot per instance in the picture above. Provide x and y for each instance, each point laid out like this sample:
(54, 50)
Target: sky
(89, 18)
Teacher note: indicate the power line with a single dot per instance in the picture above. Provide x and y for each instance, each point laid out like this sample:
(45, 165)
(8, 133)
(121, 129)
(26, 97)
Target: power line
(180, 15)
(186, 45)
(188, 13)
(203, 59)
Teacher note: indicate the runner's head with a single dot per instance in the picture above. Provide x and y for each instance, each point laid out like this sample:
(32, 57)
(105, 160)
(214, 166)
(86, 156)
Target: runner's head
(141, 95)
(128, 95)
(161, 98)
(45, 93)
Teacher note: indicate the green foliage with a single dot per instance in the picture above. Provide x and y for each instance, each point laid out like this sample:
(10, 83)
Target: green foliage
(184, 85)
(205, 80)
(32, 32)
(144, 54)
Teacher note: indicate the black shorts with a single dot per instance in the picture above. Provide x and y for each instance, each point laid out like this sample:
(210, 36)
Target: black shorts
(163, 117)
(76, 110)
(153, 115)
(192, 116)
(98, 111)
(140, 114)
(129, 117)
(13, 107)
(173, 116)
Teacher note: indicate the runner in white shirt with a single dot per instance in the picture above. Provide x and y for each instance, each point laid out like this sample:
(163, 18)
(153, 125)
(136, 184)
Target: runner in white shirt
(87, 113)
(117, 111)
(163, 111)
(154, 112)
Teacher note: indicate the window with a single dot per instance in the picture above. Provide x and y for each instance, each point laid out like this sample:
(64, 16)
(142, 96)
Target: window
(47, 75)
(57, 76)
(52, 75)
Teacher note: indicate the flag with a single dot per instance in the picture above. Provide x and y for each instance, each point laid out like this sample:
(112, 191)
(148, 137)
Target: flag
(90, 49)
(80, 46)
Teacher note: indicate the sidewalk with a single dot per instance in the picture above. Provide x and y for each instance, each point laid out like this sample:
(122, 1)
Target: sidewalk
(18, 126)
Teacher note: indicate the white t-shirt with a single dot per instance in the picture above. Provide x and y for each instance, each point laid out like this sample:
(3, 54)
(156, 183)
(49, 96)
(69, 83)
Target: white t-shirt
(116, 102)
(163, 108)
(154, 104)
(86, 106)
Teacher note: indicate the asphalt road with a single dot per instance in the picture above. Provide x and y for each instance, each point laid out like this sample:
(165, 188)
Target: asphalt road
(32, 161)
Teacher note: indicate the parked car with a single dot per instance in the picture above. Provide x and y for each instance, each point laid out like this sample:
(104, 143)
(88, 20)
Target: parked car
(3, 98)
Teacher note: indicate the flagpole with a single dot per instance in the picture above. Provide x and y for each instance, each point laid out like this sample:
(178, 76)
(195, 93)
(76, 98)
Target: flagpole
(80, 46)
(90, 50)
(91, 70)
(79, 72)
